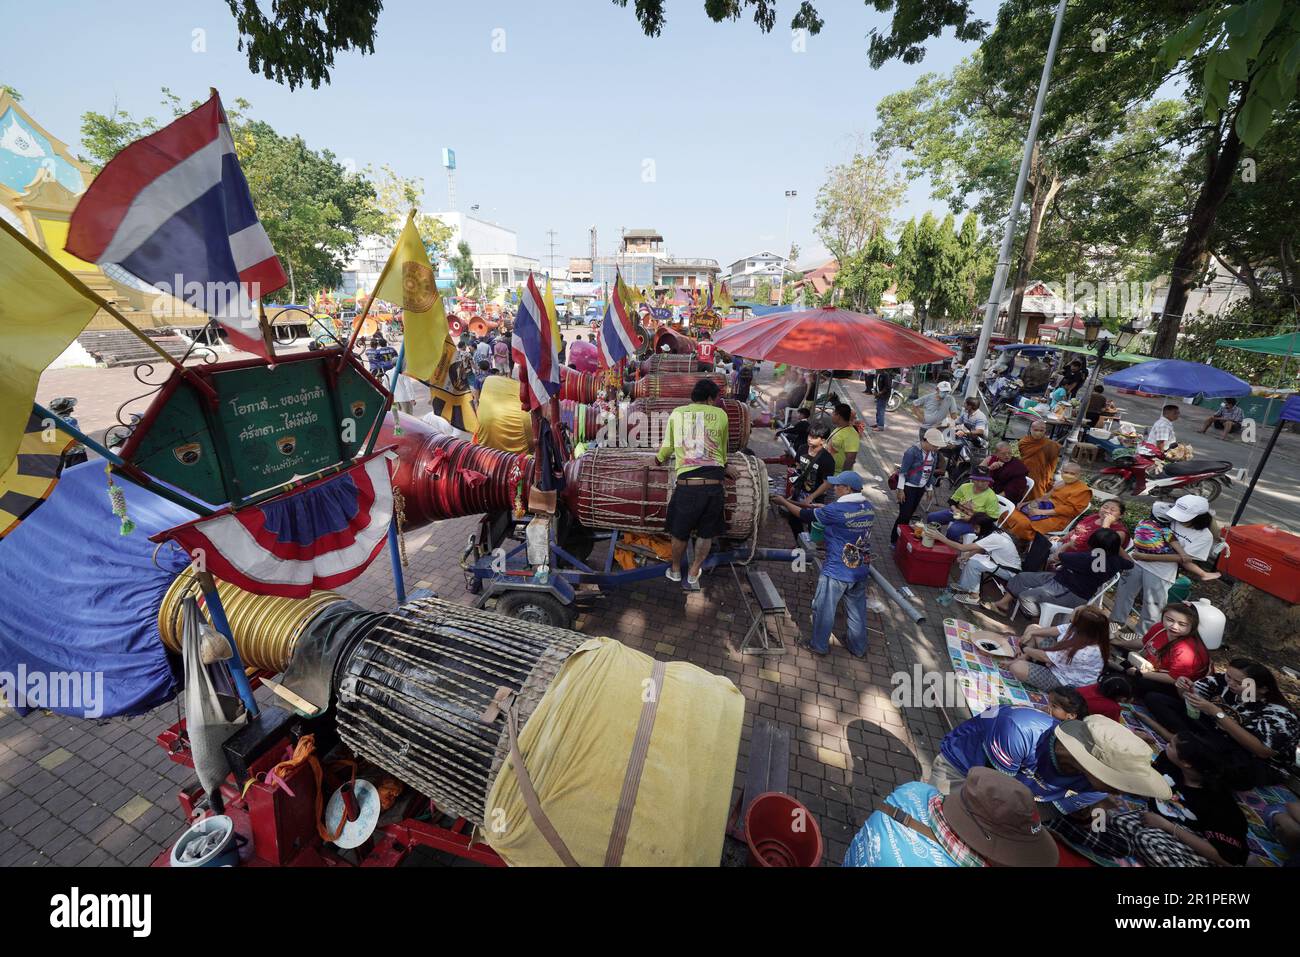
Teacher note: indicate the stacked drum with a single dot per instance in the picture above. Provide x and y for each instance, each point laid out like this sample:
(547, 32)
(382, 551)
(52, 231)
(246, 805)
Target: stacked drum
(665, 362)
(674, 386)
(579, 386)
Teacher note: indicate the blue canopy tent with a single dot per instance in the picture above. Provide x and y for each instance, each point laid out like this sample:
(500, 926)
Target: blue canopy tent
(1177, 377)
(1290, 413)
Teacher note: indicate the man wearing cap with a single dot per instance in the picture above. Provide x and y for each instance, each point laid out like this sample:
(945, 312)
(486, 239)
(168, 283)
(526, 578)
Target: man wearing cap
(918, 473)
(1070, 765)
(696, 438)
(974, 496)
(935, 408)
(1176, 534)
(847, 525)
(988, 819)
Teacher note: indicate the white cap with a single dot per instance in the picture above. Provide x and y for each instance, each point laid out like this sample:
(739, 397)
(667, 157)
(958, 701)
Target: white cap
(1187, 508)
(945, 386)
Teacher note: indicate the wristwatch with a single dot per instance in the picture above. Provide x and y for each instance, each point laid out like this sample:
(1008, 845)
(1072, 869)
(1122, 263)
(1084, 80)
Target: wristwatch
(1220, 715)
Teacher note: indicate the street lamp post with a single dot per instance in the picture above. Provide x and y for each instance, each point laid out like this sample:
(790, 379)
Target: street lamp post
(790, 194)
(1091, 335)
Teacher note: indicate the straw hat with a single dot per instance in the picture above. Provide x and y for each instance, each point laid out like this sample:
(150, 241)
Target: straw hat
(995, 816)
(1114, 755)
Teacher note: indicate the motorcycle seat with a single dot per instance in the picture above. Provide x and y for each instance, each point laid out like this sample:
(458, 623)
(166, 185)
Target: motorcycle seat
(1194, 466)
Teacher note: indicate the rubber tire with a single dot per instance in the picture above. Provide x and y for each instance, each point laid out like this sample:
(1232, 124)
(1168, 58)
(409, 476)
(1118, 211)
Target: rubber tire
(1207, 487)
(536, 607)
(1111, 484)
(894, 402)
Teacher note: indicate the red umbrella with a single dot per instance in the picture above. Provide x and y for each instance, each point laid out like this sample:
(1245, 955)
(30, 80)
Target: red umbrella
(830, 338)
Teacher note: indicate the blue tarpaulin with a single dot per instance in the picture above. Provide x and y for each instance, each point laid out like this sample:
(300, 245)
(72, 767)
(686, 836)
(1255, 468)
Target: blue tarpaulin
(1178, 377)
(769, 310)
(76, 596)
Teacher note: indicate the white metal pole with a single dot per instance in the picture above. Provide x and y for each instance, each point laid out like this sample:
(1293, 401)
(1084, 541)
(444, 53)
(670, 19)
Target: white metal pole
(1009, 235)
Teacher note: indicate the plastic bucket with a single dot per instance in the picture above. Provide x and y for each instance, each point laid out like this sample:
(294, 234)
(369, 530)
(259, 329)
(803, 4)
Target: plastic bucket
(224, 854)
(1179, 590)
(817, 532)
(781, 832)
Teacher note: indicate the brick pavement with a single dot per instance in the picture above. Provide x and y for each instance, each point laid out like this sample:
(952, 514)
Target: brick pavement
(103, 793)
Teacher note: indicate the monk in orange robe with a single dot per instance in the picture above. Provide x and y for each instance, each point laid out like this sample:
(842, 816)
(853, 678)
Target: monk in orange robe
(1069, 498)
(1040, 454)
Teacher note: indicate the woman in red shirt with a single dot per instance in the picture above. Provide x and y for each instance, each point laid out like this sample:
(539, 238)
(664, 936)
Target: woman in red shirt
(1174, 650)
(1110, 514)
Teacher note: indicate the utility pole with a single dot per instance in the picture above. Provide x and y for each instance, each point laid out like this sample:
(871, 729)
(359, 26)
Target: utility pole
(552, 234)
(1009, 235)
(790, 194)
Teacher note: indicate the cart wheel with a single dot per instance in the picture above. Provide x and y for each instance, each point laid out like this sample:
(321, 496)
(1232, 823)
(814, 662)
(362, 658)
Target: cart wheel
(535, 607)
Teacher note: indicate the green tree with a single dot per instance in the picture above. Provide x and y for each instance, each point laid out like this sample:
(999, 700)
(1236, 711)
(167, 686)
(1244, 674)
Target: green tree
(463, 262)
(395, 196)
(855, 204)
(297, 43)
(18, 97)
(763, 291)
(865, 276)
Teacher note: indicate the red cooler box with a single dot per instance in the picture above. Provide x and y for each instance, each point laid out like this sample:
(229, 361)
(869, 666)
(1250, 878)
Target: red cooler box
(921, 565)
(1266, 557)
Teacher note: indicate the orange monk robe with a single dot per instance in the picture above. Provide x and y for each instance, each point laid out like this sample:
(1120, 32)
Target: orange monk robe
(1039, 456)
(1068, 500)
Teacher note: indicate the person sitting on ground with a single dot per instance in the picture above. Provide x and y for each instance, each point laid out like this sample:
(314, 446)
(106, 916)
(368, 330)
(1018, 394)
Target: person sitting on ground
(1200, 825)
(1069, 765)
(1040, 455)
(994, 552)
(1161, 434)
(972, 498)
(1067, 704)
(844, 440)
(814, 465)
(1075, 579)
(1010, 478)
(1068, 497)
(1227, 419)
(988, 819)
(1174, 650)
(1284, 821)
(1109, 514)
(1107, 695)
(1243, 704)
(1070, 654)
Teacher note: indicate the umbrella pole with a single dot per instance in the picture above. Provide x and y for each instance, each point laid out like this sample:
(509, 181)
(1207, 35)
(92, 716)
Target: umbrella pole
(1254, 479)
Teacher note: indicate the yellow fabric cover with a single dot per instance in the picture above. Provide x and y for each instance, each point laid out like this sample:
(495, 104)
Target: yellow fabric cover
(576, 746)
(502, 422)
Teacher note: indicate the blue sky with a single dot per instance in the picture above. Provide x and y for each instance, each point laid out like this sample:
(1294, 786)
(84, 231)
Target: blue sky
(580, 120)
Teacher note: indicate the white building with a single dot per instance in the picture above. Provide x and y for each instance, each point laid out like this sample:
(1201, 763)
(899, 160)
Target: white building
(746, 274)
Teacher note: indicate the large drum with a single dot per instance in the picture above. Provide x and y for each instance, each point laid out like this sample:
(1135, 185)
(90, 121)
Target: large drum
(579, 386)
(416, 695)
(674, 386)
(674, 340)
(628, 490)
(661, 363)
(641, 423)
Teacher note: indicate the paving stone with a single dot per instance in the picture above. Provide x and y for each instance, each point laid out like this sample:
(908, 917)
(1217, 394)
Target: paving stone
(133, 809)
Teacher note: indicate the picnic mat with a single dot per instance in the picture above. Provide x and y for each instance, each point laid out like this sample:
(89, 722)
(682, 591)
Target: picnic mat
(986, 682)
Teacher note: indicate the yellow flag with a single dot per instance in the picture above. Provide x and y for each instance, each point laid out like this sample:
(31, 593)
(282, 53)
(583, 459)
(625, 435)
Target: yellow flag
(42, 310)
(409, 279)
(552, 314)
(35, 471)
(724, 300)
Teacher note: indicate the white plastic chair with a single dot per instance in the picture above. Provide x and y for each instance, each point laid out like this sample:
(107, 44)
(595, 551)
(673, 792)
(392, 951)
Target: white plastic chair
(1048, 613)
(1007, 507)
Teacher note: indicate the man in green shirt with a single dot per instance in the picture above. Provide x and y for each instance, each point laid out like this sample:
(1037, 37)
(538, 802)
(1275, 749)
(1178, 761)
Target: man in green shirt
(696, 438)
(974, 496)
(844, 441)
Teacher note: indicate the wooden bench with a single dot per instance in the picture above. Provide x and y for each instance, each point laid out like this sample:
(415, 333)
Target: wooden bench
(768, 769)
(759, 639)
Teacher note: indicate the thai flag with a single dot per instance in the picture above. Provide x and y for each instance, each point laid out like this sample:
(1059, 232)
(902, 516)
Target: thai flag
(618, 338)
(173, 209)
(535, 350)
(322, 535)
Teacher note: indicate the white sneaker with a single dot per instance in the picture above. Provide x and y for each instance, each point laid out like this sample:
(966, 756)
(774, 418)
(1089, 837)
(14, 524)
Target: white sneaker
(966, 598)
(672, 574)
(692, 580)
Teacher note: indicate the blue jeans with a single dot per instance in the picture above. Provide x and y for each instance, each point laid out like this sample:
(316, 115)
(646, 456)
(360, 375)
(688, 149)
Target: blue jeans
(955, 529)
(825, 602)
(880, 410)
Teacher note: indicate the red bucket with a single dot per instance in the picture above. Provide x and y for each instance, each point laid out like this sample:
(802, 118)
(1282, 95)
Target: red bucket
(781, 832)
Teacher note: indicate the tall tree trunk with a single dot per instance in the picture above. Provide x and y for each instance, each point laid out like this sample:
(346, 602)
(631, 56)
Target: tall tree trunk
(1194, 254)
(1041, 200)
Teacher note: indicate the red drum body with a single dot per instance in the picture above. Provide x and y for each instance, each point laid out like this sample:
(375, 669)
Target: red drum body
(627, 490)
(666, 362)
(578, 386)
(674, 386)
(676, 342)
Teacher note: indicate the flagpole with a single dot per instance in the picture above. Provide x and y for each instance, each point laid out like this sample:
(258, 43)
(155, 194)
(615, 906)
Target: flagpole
(89, 294)
(383, 274)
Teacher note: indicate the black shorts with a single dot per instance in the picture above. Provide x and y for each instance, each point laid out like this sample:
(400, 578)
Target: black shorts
(698, 509)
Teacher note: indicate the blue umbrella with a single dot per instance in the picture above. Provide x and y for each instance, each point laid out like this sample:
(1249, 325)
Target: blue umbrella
(1177, 377)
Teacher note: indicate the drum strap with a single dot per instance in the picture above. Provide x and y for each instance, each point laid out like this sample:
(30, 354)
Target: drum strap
(635, 765)
(530, 795)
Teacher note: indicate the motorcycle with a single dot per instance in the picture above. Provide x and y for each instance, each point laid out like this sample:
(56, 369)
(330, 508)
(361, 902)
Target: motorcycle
(1148, 472)
(998, 399)
(961, 454)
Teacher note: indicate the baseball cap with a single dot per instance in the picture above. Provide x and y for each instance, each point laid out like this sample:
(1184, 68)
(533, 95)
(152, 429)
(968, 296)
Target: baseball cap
(852, 479)
(1188, 507)
(935, 438)
(945, 386)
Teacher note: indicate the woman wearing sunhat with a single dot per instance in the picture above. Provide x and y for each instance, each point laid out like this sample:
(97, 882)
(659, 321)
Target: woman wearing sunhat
(987, 820)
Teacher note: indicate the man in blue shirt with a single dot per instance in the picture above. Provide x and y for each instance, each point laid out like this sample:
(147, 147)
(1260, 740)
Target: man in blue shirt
(1071, 765)
(847, 525)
